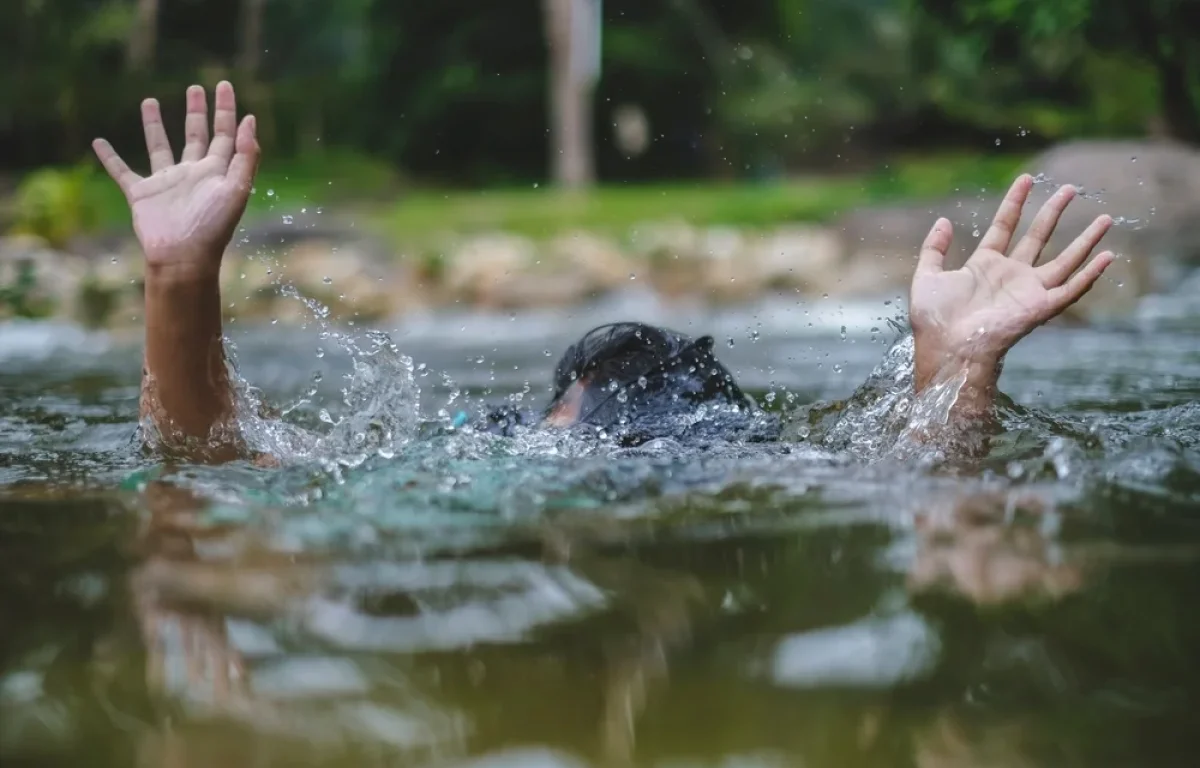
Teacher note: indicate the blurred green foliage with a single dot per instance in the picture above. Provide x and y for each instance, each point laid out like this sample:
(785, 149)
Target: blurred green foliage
(423, 218)
(55, 205)
(454, 93)
(16, 298)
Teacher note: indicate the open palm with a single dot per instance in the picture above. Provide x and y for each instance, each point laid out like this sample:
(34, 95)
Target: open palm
(987, 306)
(186, 212)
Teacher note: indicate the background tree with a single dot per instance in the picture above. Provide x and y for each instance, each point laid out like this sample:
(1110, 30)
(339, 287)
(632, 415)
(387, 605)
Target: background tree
(455, 92)
(1154, 37)
(570, 29)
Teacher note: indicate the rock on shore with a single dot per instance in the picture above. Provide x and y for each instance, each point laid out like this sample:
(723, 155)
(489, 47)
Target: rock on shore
(1151, 189)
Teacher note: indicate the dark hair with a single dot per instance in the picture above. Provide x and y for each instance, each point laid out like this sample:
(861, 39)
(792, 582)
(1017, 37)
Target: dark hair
(653, 367)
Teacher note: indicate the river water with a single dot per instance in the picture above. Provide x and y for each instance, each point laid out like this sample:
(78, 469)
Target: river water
(400, 593)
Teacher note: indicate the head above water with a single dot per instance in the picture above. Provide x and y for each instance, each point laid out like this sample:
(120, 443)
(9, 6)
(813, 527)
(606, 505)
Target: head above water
(623, 372)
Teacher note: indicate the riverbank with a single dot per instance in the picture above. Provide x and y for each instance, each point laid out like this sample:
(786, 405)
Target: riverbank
(386, 251)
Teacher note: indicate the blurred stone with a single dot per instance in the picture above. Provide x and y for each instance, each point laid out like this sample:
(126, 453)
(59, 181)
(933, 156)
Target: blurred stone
(598, 259)
(249, 283)
(1152, 191)
(558, 288)
(728, 272)
(1150, 188)
(664, 242)
(348, 278)
(343, 277)
(38, 281)
(881, 242)
(798, 257)
(35, 280)
(481, 267)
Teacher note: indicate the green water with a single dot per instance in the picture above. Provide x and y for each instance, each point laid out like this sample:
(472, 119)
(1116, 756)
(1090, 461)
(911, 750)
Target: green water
(544, 601)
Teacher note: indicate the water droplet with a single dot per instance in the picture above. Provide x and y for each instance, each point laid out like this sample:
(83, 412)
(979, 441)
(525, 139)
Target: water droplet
(730, 342)
(535, 185)
(270, 193)
(287, 219)
(320, 352)
(997, 142)
(327, 280)
(632, 276)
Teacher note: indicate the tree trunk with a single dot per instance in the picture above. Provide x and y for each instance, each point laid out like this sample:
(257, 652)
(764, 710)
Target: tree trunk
(571, 162)
(249, 55)
(1179, 109)
(144, 36)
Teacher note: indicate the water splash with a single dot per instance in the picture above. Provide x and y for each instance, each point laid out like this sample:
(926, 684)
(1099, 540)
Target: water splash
(381, 399)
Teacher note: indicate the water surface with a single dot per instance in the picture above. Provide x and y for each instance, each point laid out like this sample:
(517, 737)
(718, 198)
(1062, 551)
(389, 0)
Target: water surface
(401, 595)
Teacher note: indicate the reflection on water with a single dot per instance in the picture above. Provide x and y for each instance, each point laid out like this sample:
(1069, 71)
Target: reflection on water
(430, 597)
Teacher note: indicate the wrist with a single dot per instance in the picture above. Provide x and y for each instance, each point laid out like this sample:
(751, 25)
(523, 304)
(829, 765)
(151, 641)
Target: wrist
(976, 367)
(177, 270)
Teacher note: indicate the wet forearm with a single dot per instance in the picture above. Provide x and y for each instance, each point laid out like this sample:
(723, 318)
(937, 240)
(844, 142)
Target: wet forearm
(186, 390)
(975, 376)
(956, 399)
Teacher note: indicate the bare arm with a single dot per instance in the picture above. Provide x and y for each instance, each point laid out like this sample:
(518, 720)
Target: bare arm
(965, 321)
(184, 215)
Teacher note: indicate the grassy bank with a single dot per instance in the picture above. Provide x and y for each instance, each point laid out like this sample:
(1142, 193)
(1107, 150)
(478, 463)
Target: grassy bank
(70, 203)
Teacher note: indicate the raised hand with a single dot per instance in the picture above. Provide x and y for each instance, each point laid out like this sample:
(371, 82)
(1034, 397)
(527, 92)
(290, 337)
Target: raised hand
(185, 213)
(968, 318)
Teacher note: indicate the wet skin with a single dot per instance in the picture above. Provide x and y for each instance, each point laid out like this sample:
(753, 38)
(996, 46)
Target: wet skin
(185, 213)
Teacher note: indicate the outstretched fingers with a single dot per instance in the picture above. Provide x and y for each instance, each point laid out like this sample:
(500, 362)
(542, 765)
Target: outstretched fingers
(245, 163)
(157, 143)
(1008, 216)
(1074, 289)
(195, 125)
(115, 166)
(1030, 247)
(1054, 273)
(224, 123)
(933, 250)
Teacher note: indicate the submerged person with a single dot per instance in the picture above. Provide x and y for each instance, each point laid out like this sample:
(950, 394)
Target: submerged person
(186, 211)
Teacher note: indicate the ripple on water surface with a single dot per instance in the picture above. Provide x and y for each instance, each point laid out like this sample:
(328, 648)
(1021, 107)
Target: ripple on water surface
(404, 595)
